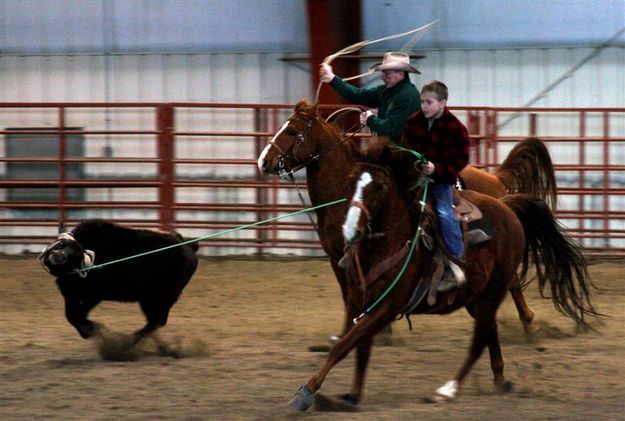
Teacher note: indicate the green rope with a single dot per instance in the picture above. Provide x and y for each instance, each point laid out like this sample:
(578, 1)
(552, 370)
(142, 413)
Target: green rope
(420, 157)
(242, 227)
(405, 265)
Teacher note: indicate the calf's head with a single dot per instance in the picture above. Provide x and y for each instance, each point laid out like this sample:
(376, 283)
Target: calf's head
(65, 255)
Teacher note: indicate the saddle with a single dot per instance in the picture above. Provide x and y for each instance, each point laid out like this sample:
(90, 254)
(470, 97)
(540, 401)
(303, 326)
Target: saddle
(476, 229)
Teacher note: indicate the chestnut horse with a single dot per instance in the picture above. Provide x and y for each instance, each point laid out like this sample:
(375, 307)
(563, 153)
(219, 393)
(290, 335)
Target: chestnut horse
(306, 140)
(522, 225)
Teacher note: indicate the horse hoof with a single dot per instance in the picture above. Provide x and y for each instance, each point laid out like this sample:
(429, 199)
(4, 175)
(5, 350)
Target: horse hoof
(334, 339)
(437, 398)
(349, 398)
(324, 404)
(532, 332)
(302, 399)
(319, 348)
(505, 387)
(445, 393)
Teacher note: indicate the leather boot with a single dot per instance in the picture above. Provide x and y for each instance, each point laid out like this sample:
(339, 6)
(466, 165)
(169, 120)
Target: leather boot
(453, 277)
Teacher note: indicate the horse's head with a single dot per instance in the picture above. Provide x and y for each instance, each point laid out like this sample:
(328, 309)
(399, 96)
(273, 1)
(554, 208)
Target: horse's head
(373, 180)
(294, 146)
(387, 175)
(65, 255)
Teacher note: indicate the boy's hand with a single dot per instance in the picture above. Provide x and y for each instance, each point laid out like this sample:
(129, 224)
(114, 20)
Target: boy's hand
(428, 168)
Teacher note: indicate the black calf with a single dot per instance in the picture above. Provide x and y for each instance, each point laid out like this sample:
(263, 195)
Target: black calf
(155, 280)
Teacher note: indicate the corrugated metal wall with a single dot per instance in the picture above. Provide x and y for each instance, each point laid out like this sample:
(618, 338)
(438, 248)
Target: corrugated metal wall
(253, 77)
(508, 77)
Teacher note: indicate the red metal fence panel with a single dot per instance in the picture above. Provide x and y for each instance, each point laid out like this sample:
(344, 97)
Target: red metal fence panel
(179, 169)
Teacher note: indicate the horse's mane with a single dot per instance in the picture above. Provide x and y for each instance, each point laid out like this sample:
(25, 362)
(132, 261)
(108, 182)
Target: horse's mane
(402, 164)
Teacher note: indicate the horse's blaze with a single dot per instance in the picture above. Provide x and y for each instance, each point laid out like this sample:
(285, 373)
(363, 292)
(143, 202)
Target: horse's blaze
(350, 227)
(261, 159)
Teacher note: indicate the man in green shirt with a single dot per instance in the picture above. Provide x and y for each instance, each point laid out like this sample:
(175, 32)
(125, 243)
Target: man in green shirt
(395, 100)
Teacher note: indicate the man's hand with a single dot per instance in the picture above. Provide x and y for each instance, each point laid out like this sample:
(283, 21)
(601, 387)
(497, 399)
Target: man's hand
(428, 168)
(325, 73)
(364, 116)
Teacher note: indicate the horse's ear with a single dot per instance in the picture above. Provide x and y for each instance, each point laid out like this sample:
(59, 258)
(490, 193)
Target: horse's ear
(302, 104)
(62, 227)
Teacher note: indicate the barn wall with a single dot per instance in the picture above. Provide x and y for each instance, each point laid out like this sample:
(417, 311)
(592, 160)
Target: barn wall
(496, 77)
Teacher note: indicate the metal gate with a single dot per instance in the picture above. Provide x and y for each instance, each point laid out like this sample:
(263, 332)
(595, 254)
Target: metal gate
(192, 167)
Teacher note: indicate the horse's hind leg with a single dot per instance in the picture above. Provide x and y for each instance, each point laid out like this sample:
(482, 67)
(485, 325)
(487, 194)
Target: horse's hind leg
(484, 333)
(496, 360)
(526, 314)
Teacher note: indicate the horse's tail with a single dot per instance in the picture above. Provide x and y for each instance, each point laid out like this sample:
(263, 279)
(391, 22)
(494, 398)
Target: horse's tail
(528, 169)
(559, 260)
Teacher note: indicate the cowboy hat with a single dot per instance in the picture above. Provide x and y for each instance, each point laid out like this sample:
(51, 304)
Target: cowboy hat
(395, 61)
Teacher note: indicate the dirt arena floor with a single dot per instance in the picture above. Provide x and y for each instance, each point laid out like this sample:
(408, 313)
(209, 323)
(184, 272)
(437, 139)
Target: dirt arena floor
(243, 329)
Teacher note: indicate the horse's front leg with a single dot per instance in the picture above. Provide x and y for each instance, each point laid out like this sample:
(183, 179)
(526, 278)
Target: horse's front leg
(359, 335)
(343, 280)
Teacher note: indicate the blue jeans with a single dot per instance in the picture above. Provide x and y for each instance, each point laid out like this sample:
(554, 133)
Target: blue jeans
(450, 227)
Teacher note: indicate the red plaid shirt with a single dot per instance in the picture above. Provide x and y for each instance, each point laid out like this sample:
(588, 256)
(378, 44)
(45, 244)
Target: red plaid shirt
(446, 144)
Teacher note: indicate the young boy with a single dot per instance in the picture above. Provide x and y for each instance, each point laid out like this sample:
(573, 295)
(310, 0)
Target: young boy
(438, 134)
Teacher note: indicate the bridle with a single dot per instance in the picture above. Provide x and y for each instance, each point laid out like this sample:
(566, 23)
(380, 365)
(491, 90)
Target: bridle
(301, 136)
(284, 171)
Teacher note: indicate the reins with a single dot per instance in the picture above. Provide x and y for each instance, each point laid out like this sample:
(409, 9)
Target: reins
(423, 181)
